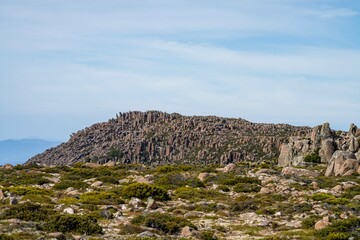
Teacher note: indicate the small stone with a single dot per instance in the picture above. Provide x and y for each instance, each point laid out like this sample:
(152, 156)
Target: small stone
(146, 234)
(13, 201)
(186, 232)
(357, 197)
(202, 176)
(57, 236)
(106, 214)
(323, 223)
(337, 188)
(135, 202)
(69, 210)
(2, 195)
(151, 204)
(97, 184)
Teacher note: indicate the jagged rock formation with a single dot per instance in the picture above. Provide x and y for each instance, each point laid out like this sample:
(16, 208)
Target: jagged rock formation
(341, 150)
(158, 137)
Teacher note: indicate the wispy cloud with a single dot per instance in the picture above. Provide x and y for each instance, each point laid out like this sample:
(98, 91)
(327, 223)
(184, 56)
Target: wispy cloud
(79, 61)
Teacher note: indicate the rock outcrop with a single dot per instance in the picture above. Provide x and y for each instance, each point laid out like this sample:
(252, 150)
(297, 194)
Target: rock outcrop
(340, 150)
(156, 138)
(342, 163)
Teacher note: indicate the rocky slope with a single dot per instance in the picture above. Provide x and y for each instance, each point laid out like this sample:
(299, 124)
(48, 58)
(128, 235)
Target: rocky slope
(156, 137)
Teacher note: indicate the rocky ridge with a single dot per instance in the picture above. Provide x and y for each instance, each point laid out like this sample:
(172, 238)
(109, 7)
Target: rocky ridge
(155, 137)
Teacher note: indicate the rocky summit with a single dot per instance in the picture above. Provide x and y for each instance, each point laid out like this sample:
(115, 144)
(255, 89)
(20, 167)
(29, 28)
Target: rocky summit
(155, 137)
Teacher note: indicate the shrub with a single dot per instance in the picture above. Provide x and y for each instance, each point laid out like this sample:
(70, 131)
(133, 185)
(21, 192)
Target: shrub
(237, 179)
(341, 228)
(74, 223)
(246, 187)
(6, 237)
(194, 194)
(143, 191)
(100, 198)
(208, 235)
(173, 168)
(320, 196)
(37, 198)
(244, 205)
(312, 158)
(163, 222)
(310, 221)
(176, 180)
(28, 212)
(22, 190)
(65, 184)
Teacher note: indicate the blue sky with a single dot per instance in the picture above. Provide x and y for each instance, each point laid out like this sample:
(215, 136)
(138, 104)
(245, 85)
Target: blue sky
(67, 64)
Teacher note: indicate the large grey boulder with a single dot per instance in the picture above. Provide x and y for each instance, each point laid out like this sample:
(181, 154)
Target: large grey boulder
(286, 155)
(327, 150)
(337, 161)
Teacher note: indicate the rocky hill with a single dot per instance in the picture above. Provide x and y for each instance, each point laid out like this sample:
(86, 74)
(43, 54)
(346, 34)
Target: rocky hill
(155, 137)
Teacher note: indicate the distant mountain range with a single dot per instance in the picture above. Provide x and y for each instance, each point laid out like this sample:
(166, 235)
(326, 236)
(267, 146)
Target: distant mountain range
(19, 151)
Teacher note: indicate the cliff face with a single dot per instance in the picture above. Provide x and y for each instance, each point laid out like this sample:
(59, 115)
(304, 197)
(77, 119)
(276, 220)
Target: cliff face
(156, 137)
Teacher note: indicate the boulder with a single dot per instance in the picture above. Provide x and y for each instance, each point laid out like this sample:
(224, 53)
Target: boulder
(69, 210)
(327, 150)
(290, 171)
(13, 201)
(202, 176)
(2, 195)
(186, 232)
(336, 162)
(349, 167)
(228, 168)
(110, 164)
(253, 219)
(106, 214)
(8, 166)
(97, 184)
(286, 155)
(151, 204)
(322, 223)
(353, 144)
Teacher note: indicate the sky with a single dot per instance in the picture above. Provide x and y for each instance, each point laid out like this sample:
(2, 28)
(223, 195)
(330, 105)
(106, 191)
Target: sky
(66, 64)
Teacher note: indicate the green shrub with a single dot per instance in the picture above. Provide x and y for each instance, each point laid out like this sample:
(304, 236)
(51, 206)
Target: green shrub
(22, 191)
(176, 180)
(37, 198)
(310, 221)
(341, 228)
(312, 158)
(173, 168)
(143, 191)
(74, 223)
(194, 194)
(337, 201)
(246, 187)
(164, 222)
(208, 235)
(241, 205)
(28, 212)
(237, 179)
(100, 198)
(338, 236)
(22, 178)
(6, 237)
(320, 196)
(65, 184)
